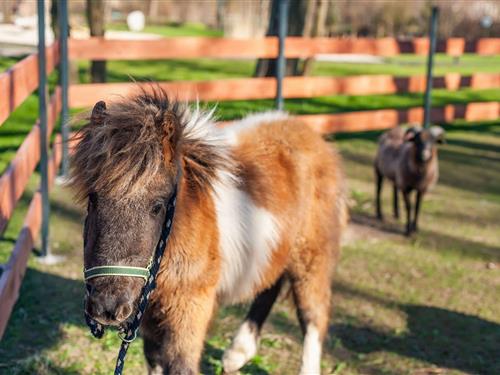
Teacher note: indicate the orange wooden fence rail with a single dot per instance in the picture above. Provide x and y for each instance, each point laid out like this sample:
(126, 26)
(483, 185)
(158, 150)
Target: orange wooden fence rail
(14, 180)
(18, 82)
(85, 95)
(97, 48)
(389, 118)
(13, 272)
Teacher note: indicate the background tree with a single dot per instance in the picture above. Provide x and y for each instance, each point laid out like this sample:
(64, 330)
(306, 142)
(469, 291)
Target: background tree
(305, 18)
(96, 22)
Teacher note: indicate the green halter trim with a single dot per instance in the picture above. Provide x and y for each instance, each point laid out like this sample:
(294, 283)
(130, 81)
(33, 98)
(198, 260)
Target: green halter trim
(117, 271)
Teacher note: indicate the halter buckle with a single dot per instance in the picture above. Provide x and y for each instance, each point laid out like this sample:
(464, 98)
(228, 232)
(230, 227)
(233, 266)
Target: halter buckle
(123, 336)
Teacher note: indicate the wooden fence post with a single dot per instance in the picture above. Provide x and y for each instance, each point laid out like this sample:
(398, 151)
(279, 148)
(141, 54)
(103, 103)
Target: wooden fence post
(42, 113)
(430, 65)
(280, 71)
(63, 76)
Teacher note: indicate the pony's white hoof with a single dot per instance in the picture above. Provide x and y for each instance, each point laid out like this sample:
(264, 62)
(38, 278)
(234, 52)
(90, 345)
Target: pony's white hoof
(233, 360)
(243, 348)
(309, 372)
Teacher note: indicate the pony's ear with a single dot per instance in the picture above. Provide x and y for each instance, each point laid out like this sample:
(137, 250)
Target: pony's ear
(98, 113)
(437, 133)
(410, 134)
(170, 138)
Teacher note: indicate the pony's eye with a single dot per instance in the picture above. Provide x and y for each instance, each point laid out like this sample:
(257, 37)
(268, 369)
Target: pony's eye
(156, 208)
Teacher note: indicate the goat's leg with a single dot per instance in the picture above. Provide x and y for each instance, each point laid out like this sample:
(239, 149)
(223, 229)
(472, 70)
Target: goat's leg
(244, 345)
(395, 202)
(406, 196)
(379, 182)
(417, 209)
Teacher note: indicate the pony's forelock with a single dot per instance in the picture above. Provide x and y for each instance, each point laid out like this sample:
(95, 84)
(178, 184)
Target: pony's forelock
(124, 153)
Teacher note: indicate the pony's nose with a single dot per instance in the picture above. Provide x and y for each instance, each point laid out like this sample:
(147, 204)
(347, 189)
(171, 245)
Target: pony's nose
(108, 309)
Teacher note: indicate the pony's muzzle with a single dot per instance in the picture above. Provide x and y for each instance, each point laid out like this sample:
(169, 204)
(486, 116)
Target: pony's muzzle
(108, 309)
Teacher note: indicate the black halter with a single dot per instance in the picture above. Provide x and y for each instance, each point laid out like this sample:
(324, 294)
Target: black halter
(129, 333)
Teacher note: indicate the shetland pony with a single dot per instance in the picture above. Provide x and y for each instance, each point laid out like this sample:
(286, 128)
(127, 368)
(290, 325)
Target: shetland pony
(259, 203)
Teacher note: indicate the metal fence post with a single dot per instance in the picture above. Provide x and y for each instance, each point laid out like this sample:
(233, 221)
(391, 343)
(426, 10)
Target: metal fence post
(280, 64)
(42, 112)
(63, 76)
(430, 65)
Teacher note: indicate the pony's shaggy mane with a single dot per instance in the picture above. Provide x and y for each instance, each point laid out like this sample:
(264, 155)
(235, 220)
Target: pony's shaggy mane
(120, 154)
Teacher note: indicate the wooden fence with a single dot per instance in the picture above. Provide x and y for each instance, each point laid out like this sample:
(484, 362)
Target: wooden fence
(22, 79)
(84, 95)
(16, 84)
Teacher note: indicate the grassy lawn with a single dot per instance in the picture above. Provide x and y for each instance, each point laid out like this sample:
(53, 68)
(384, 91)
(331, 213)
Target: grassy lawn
(425, 305)
(172, 30)
(206, 69)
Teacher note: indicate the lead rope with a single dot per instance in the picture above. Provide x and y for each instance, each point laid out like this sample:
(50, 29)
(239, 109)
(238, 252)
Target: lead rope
(130, 333)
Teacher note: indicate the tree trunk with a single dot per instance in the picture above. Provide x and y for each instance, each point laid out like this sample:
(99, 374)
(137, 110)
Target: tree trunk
(317, 27)
(96, 21)
(306, 18)
(54, 18)
(267, 67)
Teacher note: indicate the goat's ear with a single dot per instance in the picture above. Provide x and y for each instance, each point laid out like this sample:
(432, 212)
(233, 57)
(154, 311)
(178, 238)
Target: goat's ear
(98, 113)
(410, 134)
(170, 137)
(437, 133)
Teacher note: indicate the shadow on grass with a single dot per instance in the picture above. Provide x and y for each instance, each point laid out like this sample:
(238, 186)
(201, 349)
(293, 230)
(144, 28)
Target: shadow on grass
(441, 337)
(473, 173)
(371, 136)
(46, 301)
(438, 336)
(431, 240)
(437, 241)
(212, 360)
(41, 366)
(359, 158)
(373, 222)
(479, 146)
(480, 127)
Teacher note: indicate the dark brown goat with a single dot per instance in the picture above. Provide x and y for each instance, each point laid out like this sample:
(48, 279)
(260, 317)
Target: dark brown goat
(408, 159)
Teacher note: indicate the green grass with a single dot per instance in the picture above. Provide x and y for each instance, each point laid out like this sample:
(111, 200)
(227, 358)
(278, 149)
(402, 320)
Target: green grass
(206, 69)
(347, 103)
(173, 30)
(14, 130)
(423, 305)
(170, 70)
(405, 65)
(18, 125)
(7, 62)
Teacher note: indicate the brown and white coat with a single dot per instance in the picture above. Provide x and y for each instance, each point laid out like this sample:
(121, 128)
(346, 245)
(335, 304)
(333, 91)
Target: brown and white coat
(260, 202)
